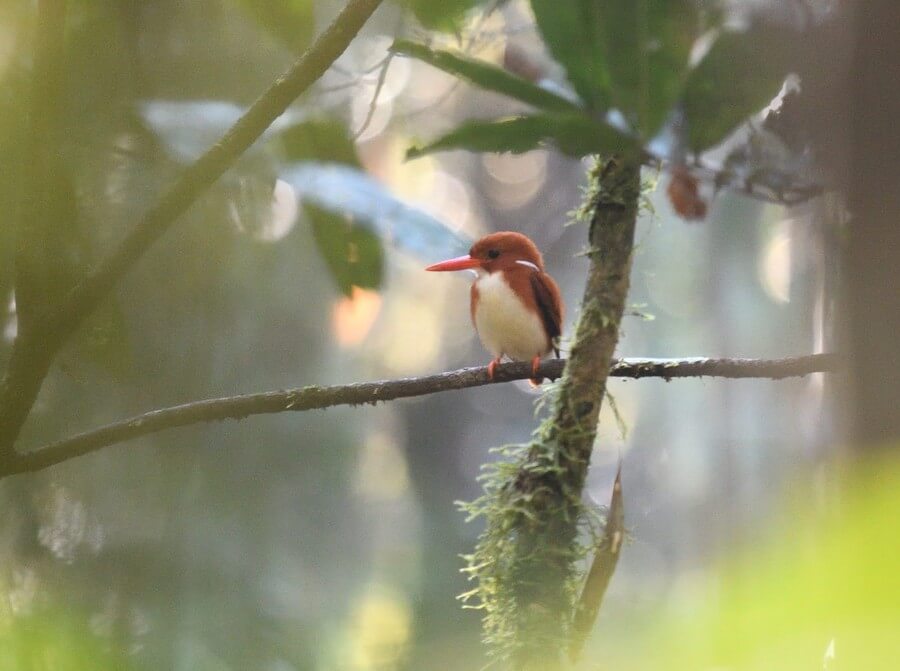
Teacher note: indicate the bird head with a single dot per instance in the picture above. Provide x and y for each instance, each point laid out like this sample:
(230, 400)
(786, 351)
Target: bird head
(498, 251)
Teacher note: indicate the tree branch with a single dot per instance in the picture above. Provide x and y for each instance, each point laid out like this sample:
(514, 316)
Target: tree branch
(38, 224)
(315, 397)
(549, 483)
(31, 356)
(602, 568)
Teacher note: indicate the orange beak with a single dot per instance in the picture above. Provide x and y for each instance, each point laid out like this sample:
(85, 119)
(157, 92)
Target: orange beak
(459, 263)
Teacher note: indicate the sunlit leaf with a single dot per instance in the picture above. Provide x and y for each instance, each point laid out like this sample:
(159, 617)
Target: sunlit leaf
(740, 75)
(340, 188)
(826, 579)
(351, 250)
(627, 54)
(58, 639)
(291, 21)
(485, 75)
(573, 134)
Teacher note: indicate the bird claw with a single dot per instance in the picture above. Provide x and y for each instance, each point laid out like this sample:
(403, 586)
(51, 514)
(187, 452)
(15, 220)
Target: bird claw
(535, 380)
(492, 366)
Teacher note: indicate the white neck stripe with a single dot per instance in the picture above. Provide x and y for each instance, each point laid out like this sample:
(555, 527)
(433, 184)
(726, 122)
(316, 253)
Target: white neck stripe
(528, 264)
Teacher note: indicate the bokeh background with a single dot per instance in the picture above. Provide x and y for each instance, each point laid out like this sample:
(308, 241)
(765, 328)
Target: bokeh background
(331, 539)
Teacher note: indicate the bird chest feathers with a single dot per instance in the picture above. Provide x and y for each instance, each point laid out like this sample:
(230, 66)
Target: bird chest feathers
(503, 321)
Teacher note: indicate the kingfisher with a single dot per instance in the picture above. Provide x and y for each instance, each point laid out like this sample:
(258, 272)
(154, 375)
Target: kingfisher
(516, 306)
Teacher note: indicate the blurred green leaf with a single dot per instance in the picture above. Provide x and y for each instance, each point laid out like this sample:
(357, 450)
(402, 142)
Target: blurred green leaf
(57, 639)
(351, 250)
(291, 21)
(324, 140)
(486, 75)
(627, 54)
(443, 15)
(573, 134)
(341, 188)
(740, 75)
(572, 32)
(827, 581)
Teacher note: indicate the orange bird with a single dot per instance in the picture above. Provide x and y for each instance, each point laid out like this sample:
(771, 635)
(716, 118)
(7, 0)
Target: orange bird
(516, 307)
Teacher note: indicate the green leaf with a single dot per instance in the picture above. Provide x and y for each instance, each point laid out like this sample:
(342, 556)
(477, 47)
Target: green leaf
(485, 75)
(291, 21)
(351, 250)
(740, 75)
(575, 135)
(572, 32)
(627, 54)
(341, 188)
(443, 15)
(323, 140)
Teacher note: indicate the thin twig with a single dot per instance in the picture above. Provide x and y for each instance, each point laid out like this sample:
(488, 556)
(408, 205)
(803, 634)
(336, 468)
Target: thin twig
(370, 114)
(602, 568)
(315, 397)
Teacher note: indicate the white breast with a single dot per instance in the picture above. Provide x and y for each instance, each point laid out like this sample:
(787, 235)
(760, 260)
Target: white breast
(504, 324)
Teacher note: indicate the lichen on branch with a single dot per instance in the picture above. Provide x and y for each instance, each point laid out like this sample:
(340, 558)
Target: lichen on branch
(525, 560)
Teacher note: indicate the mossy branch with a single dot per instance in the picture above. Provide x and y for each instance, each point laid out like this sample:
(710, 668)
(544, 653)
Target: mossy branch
(320, 397)
(525, 559)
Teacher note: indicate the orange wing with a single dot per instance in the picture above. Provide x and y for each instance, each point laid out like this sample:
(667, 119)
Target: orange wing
(550, 305)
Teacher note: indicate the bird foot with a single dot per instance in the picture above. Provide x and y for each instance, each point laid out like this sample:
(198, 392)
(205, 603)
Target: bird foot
(492, 366)
(535, 380)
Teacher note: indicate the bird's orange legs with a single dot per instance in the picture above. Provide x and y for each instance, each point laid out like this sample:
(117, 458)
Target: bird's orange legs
(535, 364)
(535, 380)
(492, 366)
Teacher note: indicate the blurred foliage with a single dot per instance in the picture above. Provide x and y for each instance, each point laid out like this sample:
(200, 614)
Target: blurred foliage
(319, 140)
(621, 53)
(573, 134)
(341, 188)
(629, 63)
(821, 594)
(486, 75)
(446, 15)
(249, 545)
(291, 21)
(58, 640)
(353, 252)
(741, 74)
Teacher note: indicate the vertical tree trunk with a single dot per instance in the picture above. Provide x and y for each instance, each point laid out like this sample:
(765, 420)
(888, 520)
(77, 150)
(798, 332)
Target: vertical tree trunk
(526, 557)
(871, 285)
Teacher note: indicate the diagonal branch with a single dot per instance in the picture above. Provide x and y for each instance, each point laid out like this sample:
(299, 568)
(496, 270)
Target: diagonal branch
(217, 160)
(315, 397)
(602, 568)
(549, 483)
(34, 351)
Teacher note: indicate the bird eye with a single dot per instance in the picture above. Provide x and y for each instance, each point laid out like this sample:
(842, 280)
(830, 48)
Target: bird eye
(493, 253)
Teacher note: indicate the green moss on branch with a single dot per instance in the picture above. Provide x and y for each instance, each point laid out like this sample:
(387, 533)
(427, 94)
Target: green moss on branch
(525, 559)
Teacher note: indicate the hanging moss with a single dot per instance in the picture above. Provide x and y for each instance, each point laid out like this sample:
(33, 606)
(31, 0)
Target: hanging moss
(524, 564)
